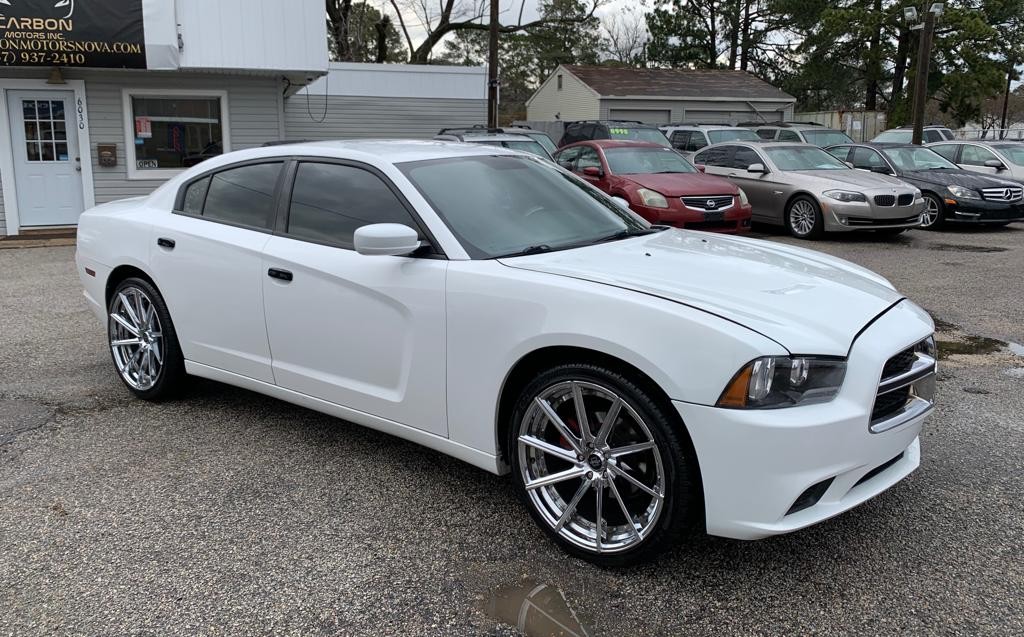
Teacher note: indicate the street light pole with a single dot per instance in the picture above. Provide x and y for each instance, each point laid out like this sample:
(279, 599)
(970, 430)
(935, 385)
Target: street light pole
(924, 54)
(492, 69)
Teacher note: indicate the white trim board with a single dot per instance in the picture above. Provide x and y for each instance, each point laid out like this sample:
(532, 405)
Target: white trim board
(129, 126)
(81, 121)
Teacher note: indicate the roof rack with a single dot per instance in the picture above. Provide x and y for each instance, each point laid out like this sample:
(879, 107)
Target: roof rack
(746, 124)
(609, 121)
(700, 124)
(475, 128)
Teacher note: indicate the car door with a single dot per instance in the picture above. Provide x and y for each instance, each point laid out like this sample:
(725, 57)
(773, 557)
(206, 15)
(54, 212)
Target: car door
(207, 256)
(973, 157)
(757, 186)
(365, 332)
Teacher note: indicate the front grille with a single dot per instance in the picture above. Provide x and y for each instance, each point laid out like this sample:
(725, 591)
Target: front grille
(906, 200)
(870, 221)
(879, 469)
(1009, 193)
(899, 364)
(885, 200)
(890, 403)
(707, 203)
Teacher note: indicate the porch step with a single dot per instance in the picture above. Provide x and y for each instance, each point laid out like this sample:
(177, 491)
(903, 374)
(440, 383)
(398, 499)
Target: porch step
(40, 238)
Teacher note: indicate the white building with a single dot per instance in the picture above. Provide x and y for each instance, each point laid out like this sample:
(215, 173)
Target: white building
(105, 100)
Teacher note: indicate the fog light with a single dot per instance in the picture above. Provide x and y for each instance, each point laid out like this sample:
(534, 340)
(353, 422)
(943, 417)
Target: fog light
(842, 220)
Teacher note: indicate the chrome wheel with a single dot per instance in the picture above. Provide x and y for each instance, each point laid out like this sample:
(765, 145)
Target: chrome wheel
(802, 217)
(591, 467)
(931, 212)
(136, 338)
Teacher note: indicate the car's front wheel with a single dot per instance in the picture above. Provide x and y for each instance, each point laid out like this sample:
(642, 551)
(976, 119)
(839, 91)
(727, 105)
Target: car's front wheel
(803, 218)
(143, 343)
(605, 468)
(934, 212)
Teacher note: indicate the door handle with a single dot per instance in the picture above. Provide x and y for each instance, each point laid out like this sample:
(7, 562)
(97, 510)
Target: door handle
(164, 242)
(281, 275)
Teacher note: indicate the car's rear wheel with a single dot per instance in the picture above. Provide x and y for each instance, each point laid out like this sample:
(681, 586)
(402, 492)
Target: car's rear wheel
(934, 212)
(606, 469)
(803, 218)
(143, 343)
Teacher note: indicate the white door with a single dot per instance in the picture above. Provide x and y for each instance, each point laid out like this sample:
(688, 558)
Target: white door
(47, 166)
(365, 332)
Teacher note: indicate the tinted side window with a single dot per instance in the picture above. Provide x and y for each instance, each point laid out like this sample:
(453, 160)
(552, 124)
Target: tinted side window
(946, 150)
(744, 157)
(789, 136)
(330, 201)
(195, 195)
(680, 138)
(697, 141)
(766, 133)
(714, 156)
(867, 159)
(932, 135)
(243, 195)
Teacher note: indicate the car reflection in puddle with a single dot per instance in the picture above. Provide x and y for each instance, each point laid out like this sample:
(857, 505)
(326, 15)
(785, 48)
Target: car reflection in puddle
(536, 610)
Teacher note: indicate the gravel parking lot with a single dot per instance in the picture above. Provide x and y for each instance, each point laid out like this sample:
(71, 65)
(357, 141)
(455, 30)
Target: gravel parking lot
(228, 513)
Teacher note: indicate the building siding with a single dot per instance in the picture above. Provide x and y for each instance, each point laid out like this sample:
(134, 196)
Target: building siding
(574, 102)
(376, 117)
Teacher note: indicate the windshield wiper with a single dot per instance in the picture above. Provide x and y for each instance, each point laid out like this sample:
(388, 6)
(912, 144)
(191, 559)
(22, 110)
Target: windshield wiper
(535, 249)
(623, 234)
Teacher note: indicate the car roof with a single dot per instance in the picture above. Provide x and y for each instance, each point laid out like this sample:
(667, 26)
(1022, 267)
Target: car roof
(495, 137)
(613, 143)
(700, 126)
(371, 150)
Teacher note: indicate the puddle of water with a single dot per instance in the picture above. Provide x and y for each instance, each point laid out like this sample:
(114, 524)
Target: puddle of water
(955, 247)
(976, 345)
(536, 610)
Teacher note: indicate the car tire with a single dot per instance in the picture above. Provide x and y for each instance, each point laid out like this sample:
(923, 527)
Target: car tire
(803, 218)
(142, 340)
(648, 497)
(934, 217)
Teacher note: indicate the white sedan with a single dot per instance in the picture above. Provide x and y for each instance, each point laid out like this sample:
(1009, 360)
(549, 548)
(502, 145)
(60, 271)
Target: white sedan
(633, 379)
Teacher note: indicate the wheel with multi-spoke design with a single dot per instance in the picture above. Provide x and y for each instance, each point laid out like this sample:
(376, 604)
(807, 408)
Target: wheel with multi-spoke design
(605, 468)
(934, 212)
(142, 340)
(803, 218)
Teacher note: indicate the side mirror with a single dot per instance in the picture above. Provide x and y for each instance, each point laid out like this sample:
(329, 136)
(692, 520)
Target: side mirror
(757, 168)
(849, 164)
(699, 167)
(622, 203)
(994, 163)
(392, 239)
(593, 171)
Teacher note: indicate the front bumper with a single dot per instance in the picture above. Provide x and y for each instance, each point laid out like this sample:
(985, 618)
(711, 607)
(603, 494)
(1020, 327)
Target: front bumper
(846, 217)
(756, 464)
(732, 220)
(982, 211)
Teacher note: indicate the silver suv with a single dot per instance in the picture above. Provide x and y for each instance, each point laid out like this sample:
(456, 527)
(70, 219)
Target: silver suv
(809, 133)
(811, 192)
(515, 141)
(689, 138)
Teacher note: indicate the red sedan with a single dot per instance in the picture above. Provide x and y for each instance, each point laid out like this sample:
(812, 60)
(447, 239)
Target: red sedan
(659, 184)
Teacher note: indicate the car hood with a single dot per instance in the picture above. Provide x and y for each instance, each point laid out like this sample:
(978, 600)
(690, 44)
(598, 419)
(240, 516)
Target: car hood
(959, 176)
(808, 302)
(684, 184)
(852, 177)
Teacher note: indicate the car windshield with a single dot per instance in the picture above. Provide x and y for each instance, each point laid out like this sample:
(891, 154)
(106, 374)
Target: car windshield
(543, 140)
(1013, 152)
(506, 205)
(729, 135)
(639, 160)
(917, 158)
(803, 158)
(639, 135)
(894, 136)
(826, 137)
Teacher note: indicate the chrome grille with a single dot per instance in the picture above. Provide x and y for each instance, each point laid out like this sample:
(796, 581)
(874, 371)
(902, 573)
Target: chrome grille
(906, 390)
(885, 200)
(707, 203)
(1009, 193)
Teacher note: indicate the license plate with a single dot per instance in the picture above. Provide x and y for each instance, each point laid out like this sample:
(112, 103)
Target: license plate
(715, 215)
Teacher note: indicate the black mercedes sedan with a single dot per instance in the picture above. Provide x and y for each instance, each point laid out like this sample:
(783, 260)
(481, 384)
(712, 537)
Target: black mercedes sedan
(952, 195)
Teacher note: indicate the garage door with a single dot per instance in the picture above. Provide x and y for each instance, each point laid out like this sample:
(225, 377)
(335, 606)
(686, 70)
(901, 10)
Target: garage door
(642, 115)
(713, 117)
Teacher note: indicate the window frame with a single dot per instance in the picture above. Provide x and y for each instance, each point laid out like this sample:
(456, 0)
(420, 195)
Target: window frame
(179, 198)
(127, 94)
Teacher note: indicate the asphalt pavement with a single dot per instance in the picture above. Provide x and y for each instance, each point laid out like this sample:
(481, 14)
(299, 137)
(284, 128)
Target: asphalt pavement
(228, 513)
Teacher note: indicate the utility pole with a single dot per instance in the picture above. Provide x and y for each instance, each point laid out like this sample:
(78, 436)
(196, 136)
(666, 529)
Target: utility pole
(492, 69)
(924, 55)
(1006, 98)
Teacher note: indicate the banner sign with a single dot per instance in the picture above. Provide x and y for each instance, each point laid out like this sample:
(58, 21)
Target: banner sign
(76, 33)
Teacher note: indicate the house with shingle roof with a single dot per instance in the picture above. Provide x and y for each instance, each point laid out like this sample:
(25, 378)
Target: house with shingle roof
(657, 96)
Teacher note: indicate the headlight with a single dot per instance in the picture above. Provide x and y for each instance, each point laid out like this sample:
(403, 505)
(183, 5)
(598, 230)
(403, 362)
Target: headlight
(783, 381)
(652, 199)
(927, 347)
(743, 197)
(845, 195)
(963, 193)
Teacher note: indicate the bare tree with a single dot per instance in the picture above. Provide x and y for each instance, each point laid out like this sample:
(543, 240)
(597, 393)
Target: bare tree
(625, 37)
(441, 17)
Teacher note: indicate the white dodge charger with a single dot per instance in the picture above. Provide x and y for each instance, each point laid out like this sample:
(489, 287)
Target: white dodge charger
(633, 379)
